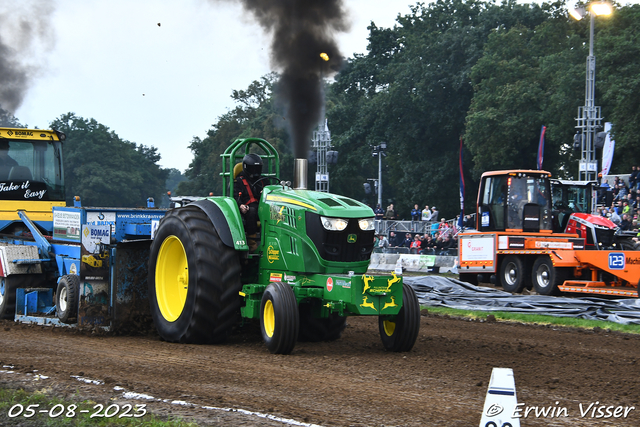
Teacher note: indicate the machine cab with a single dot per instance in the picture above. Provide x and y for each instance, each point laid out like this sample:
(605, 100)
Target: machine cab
(515, 200)
(31, 175)
(571, 197)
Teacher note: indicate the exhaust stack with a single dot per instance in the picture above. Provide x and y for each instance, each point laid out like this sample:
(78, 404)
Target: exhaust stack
(299, 174)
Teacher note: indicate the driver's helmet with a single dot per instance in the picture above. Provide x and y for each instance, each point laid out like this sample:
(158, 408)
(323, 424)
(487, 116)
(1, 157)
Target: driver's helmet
(252, 165)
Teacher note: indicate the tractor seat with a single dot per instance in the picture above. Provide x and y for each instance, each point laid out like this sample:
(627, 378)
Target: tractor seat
(237, 169)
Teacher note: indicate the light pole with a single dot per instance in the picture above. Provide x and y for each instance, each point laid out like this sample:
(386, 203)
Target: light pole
(378, 150)
(589, 116)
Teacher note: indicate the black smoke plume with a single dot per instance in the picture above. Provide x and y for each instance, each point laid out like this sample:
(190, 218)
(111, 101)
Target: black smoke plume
(23, 25)
(301, 31)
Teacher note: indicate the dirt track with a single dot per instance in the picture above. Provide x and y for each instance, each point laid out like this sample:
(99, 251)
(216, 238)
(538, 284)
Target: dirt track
(353, 381)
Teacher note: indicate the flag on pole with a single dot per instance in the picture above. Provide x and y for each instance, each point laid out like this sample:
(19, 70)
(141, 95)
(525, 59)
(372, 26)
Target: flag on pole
(461, 219)
(607, 150)
(541, 147)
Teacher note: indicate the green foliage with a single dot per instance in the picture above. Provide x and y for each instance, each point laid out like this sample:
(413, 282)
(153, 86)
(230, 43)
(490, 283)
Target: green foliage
(490, 73)
(539, 73)
(538, 319)
(413, 90)
(105, 170)
(541, 81)
(617, 50)
(255, 116)
(8, 120)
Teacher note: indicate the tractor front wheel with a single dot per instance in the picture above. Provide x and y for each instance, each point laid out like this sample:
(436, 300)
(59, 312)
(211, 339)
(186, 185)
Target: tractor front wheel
(67, 298)
(194, 279)
(279, 318)
(399, 333)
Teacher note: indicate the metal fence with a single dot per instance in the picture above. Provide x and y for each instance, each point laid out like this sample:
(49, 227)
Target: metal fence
(408, 251)
(384, 226)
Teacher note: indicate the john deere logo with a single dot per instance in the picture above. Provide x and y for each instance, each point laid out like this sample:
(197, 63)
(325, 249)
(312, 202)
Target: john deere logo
(351, 238)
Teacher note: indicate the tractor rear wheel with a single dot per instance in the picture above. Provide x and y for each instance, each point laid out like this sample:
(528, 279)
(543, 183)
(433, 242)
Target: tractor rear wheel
(399, 333)
(315, 329)
(279, 318)
(628, 245)
(194, 280)
(546, 277)
(512, 275)
(67, 298)
(7, 298)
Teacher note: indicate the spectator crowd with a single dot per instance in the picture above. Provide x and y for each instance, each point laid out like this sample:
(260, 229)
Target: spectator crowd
(621, 202)
(445, 242)
(441, 238)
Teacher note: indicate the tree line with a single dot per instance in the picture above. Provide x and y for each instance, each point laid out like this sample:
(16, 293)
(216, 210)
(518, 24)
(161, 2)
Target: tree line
(105, 170)
(489, 74)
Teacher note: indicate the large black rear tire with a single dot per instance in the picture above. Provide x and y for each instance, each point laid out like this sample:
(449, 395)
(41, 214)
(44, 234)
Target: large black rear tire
(194, 280)
(628, 245)
(399, 333)
(67, 298)
(279, 318)
(7, 297)
(315, 329)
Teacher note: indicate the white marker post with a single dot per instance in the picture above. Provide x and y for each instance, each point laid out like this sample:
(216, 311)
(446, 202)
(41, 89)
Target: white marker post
(501, 400)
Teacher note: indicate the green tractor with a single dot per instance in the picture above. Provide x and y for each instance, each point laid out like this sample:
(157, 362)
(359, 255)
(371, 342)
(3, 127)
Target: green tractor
(308, 274)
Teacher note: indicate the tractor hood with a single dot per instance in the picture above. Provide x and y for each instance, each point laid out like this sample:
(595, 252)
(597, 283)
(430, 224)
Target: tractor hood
(594, 219)
(325, 204)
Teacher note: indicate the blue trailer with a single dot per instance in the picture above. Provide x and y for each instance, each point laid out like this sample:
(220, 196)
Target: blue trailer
(66, 265)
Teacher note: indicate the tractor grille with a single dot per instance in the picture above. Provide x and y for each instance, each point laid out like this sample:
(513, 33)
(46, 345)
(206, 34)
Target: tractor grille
(335, 246)
(604, 236)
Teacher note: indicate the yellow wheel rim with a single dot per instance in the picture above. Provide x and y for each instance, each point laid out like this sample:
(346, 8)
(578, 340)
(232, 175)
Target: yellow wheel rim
(389, 327)
(268, 318)
(172, 278)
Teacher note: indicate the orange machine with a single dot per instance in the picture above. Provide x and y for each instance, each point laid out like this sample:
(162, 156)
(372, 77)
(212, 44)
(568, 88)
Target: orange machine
(516, 243)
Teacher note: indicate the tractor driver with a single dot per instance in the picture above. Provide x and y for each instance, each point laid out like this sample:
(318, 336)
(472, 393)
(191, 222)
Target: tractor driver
(6, 161)
(248, 188)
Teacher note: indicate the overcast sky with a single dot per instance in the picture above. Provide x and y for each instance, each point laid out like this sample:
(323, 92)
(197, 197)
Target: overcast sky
(157, 85)
(160, 85)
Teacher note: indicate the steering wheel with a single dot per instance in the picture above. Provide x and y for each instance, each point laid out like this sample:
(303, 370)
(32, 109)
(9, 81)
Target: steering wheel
(267, 177)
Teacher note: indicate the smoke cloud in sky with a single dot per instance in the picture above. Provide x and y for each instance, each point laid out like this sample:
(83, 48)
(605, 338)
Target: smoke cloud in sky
(25, 29)
(301, 30)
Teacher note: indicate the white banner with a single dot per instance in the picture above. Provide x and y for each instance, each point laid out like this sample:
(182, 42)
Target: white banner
(607, 150)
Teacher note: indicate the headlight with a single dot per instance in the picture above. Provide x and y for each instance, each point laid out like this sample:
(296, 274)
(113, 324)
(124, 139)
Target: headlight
(334, 224)
(366, 224)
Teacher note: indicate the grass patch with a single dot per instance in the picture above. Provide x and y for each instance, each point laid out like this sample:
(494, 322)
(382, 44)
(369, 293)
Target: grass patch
(538, 319)
(10, 401)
